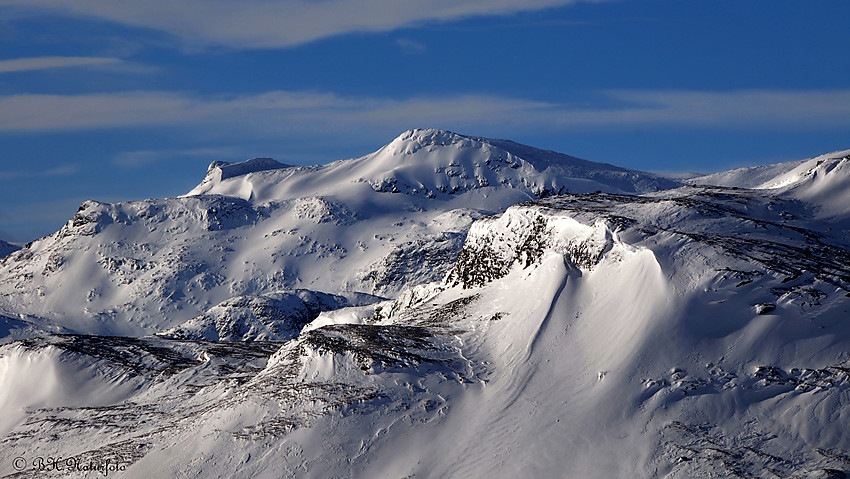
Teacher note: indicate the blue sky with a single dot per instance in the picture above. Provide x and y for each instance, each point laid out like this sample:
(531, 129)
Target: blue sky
(127, 100)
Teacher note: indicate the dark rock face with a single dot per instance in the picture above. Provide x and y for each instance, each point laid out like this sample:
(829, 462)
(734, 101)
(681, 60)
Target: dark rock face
(421, 261)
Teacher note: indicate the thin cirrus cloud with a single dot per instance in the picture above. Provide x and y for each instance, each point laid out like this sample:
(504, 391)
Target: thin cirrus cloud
(143, 158)
(277, 112)
(756, 109)
(411, 46)
(61, 170)
(276, 24)
(45, 63)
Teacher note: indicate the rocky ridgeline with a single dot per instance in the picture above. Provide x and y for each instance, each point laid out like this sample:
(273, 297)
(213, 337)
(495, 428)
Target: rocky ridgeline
(751, 229)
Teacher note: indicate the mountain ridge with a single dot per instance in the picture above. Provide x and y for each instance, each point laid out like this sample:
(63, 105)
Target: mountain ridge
(361, 225)
(688, 332)
(651, 323)
(822, 181)
(455, 164)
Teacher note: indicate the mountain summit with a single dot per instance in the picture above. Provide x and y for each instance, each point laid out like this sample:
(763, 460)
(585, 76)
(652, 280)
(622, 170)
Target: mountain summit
(438, 164)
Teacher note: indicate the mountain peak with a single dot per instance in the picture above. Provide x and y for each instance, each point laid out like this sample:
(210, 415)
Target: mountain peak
(414, 140)
(457, 163)
(433, 163)
(430, 135)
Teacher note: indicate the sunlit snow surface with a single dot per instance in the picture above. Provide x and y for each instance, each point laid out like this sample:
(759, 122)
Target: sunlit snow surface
(665, 331)
(362, 225)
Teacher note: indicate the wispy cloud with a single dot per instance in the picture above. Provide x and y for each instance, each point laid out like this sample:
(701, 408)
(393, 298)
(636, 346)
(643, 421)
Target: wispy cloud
(536, 23)
(411, 46)
(44, 63)
(269, 112)
(143, 158)
(74, 112)
(798, 109)
(275, 24)
(277, 112)
(61, 170)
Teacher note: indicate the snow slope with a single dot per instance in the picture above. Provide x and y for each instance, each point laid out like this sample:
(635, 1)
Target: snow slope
(653, 335)
(696, 332)
(373, 224)
(823, 182)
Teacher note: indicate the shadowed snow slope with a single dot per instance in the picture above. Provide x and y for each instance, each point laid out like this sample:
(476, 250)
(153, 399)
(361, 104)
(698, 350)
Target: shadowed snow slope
(374, 224)
(7, 248)
(696, 332)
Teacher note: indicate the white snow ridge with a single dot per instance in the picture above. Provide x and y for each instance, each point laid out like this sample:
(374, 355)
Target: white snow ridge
(448, 306)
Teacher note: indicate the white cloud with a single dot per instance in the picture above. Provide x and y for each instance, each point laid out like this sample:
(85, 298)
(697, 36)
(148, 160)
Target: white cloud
(268, 112)
(44, 63)
(71, 112)
(283, 112)
(275, 24)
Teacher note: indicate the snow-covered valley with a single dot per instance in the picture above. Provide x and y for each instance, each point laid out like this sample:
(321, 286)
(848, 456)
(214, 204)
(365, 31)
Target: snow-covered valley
(448, 306)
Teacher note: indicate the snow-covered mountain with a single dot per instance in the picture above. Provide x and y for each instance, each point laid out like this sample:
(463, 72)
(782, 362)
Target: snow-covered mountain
(823, 182)
(431, 164)
(684, 332)
(373, 224)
